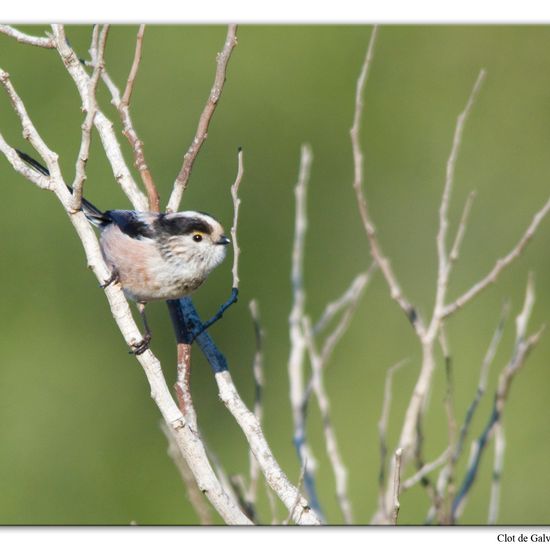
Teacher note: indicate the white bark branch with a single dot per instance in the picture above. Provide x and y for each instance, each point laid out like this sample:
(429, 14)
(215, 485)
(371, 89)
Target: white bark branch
(444, 265)
(236, 205)
(297, 340)
(23, 38)
(500, 264)
(358, 183)
(188, 442)
(103, 125)
(276, 478)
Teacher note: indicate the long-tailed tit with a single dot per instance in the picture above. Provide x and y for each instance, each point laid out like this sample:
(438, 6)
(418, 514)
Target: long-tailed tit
(154, 256)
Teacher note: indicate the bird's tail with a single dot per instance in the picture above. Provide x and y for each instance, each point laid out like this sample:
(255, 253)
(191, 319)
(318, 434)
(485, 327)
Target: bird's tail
(94, 214)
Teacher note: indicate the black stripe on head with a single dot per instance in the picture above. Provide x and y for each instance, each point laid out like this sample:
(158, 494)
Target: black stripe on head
(130, 223)
(182, 225)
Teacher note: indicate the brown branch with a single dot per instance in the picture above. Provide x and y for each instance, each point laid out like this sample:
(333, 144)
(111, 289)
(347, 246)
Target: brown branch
(122, 105)
(130, 132)
(125, 101)
(182, 179)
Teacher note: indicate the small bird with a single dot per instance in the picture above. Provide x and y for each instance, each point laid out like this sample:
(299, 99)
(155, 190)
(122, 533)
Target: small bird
(154, 256)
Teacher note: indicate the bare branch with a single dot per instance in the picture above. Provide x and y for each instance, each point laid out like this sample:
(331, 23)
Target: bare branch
(23, 38)
(22, 168)
(182, 180)
(98, 50)
(303, 514)
(444, 266)
(332, 448)
(500, 445)
(31, 134)
(122, 105)
(188, 442)
(358, 183)
(135, 66)
(236, 205)
(334, 308)
(455, 250)
(196, 498)
(355, 292)
(300, 483)
(383, 427)
(482, 384)
(258, 373)
(500, 264)
(523, 347)
(297, 340)
(101, 122)
(396, 486)
(425, 470)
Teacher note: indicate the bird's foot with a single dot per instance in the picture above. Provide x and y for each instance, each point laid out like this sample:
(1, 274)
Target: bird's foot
(142, 346)
(113, 279)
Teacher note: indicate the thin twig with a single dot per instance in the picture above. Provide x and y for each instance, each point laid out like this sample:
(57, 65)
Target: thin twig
(40, 180)
(449, 393)
(297, 340)
(455, 250)
(272, 503)
(494, 502)
(358, 183)
(182, 179)
(103, 125)
(522, 348)
(396, 485)
(482, 384)
(353, 295)
(409, 441)
(236, 205)
(331, 442)
(444, 266)
(123, 107)
(425, 470)
(98, 51)
(500, 264)
(125, 101)
(332, 309)
(300, 483)
(23, 38)
(196, 498)
(258, 375)
(383, 426)
(30, 132)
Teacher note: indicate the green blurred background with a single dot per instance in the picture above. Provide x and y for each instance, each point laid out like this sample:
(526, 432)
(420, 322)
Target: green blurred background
(79, 435)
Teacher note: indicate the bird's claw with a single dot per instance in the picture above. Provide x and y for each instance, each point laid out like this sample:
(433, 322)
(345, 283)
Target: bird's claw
(113, 279)
(142, 346)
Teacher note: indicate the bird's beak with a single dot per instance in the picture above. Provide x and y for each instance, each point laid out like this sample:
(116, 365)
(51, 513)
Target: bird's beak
(223, 240)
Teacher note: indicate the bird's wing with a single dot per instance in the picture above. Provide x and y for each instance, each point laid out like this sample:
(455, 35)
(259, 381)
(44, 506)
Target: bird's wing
(134, 224)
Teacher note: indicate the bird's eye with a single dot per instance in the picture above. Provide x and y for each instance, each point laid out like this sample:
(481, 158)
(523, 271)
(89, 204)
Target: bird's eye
(197, 237)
